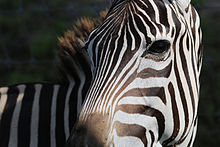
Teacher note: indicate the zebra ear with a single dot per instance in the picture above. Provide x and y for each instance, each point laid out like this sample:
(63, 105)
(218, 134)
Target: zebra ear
(183, 4)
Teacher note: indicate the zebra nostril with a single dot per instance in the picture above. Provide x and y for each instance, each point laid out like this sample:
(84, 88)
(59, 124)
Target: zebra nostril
(81, 137)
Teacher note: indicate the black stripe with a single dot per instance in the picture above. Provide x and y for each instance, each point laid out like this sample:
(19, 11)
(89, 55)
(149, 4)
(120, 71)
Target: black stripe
(111, 48)
(134, 32)
(194, 66)
(185, 65)
(116, 55)
(129, 39)
(152, 138)
(131, 130)
(86, 70)
(45, 116)
(103, 60)
(7, 116)
(192, 136)
(73, 104)
(86, 87)
(187, 42)
(97, 38)
(114, 62)
(60, 132)
(129, 80)
(199, 55)
(150, 72)
(179, 82)
(145, 110)
(176, 121)
(153, 91)
(163, 14)
(172, 32)
(182, 96)
(142, 28)
(24, 126)
(114, 36)
(150, 11)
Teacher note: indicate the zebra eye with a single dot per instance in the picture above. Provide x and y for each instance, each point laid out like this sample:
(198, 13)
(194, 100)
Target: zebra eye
(158, 48)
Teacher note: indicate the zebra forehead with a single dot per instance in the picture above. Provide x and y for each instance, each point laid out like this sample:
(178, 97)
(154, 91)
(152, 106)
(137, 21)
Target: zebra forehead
(123, 8)
(152, 14)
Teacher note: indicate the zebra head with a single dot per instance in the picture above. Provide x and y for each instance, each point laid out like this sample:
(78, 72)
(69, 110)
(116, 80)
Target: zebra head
(146, 59)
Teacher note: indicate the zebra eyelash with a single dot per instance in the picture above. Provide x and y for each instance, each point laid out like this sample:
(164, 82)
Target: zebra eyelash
(157, 48)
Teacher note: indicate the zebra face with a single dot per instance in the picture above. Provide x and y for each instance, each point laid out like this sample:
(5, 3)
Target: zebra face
(146, 63)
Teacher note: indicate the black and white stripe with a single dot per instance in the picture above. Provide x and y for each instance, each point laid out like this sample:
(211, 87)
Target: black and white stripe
(142, 97)
(41, 114)
(37, 114)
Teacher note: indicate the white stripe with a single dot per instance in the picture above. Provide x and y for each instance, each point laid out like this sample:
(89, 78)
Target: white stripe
(127, 141)
(66, 110)
(3, 99)
(152, 22)
(193, 79)
(122, 82)
(148, 137)
(53, 116)
(140, 83)
(35, 117)
(87, 103)
(168, 116)
(13, 139)
(99, 79)
(150, 63)
(154, 102)
(148, 122)
(132, 36)
(108, 66)
(82, 77)
(185, 86)
(90, 47)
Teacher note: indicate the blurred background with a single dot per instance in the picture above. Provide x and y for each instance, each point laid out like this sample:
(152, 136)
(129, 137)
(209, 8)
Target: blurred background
(28, 41)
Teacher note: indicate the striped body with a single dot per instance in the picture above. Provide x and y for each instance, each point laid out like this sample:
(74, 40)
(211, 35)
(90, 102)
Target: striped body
(43, 114)
(146, 59)
(37, 114)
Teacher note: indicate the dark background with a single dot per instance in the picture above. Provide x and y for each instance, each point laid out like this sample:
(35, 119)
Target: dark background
(28, 41)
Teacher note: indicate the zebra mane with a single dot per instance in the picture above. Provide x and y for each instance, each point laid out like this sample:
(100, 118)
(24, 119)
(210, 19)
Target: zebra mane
(72, 54)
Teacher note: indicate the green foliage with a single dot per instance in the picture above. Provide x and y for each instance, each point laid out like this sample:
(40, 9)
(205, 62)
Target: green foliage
(6, 4)
(42, 48)
(197, 2)
(28, 73)
(32, 34)
(1, 50)
(17, 77)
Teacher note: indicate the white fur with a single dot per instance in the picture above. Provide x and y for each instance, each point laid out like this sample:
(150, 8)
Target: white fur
(183, 4)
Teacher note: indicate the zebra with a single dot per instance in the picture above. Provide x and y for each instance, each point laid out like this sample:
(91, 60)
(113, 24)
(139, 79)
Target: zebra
(146, 60)
(36, 114)
(42, 114)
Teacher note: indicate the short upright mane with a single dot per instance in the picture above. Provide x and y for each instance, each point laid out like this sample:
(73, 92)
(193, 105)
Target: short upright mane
(72, 54)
